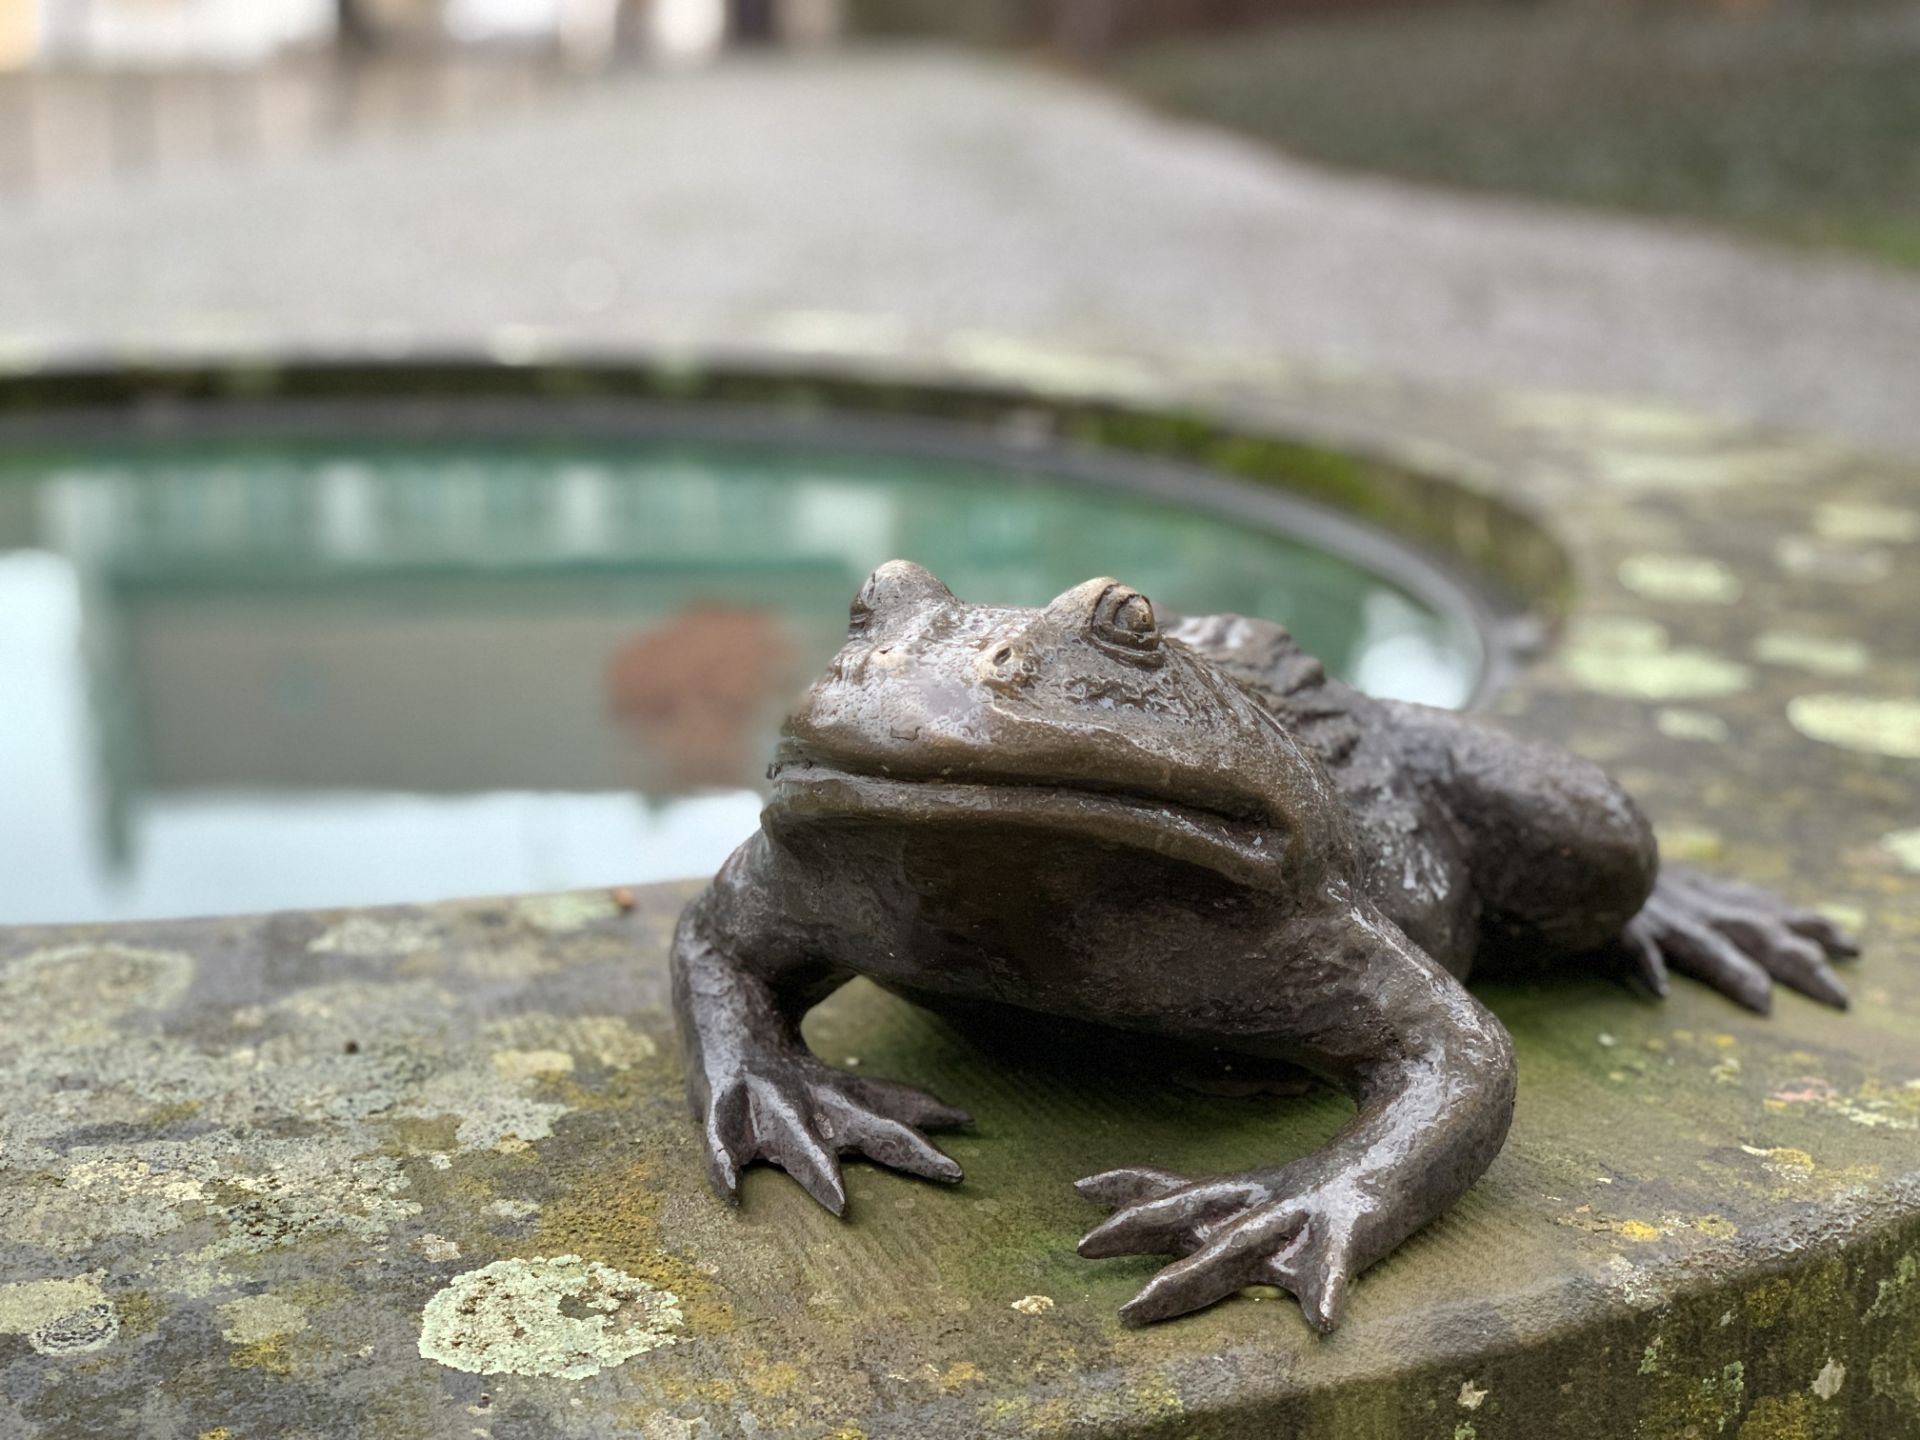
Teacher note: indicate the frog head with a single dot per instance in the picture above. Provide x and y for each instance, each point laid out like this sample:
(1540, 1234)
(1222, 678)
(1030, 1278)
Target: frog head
(1083, 719)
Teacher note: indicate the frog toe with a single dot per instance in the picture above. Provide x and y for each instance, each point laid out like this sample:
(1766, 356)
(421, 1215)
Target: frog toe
(1175, 1219)
(910, 1107)
(1318, 1274)
(784, 1134)
(1129, 1184)
(1249, 1250)
(885, 1141)
(1303, 1244)
(730, 1144)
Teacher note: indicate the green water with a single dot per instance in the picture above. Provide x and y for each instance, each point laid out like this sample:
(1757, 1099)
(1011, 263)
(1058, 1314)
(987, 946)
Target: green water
(246, 676)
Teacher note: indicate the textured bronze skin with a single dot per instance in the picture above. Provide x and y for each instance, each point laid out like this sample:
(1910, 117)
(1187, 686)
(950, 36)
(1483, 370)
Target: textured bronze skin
(1190, 832)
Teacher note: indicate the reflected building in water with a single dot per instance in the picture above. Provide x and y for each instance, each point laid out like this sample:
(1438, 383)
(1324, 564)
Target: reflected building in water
(435, 626)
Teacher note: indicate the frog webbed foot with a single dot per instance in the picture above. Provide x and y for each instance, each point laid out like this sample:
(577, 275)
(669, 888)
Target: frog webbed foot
(802, 1115)
(1737, 938)
(1236, 1231)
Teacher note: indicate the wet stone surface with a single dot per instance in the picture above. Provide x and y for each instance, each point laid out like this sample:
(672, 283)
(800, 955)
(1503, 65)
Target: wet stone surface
(428, 1172)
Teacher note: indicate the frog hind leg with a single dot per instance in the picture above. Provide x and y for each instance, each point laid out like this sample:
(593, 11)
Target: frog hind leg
(1737, 938)
(1431, 1072)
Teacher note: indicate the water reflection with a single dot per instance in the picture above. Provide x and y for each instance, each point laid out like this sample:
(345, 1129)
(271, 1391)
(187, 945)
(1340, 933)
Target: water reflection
(241, 677)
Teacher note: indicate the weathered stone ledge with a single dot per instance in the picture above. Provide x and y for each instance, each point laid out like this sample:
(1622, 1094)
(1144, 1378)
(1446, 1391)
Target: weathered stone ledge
(428, 1173)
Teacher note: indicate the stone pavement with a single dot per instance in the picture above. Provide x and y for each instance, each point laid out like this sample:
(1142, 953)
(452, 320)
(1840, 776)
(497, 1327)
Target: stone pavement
(916, 200)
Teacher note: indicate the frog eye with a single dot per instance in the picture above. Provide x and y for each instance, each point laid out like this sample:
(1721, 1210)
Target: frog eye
(898, 584)
(1123, 621)
(860, 612)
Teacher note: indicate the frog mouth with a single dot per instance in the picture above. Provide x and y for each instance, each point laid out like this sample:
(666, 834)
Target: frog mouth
(808, 789)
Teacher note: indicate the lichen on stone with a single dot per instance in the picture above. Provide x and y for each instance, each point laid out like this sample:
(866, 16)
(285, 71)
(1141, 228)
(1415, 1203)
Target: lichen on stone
(1904, 846)
(565, 913)
(560, 1317)
(1875, 725)
(1680, 579)
(372, 936)
(1851, 520)
(252, 1319)
(1678, 724)
(1832, 1376)
(1820, 654)
(1634, 659)
(73, 994)
(608, 1041)
(68, 1316)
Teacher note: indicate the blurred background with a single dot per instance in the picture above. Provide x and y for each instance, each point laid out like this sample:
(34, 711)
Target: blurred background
(1796, 119)
(243, 671)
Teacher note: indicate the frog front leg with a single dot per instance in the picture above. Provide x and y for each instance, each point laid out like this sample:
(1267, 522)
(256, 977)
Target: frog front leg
(756, 1089)
(1431, 1072)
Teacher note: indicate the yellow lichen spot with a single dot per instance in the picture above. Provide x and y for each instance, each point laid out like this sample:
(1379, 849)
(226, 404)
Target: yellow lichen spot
(254, 1318)
(1692, 843)
(1471, 1396)
(1782, 1161)
(613, 1216)
(604, 1040)
(1767, 1304)
(1874, 725)
(776, 1379)
(1005, 1410)
(1775, 1417)
(1059, 1416)
(270, 1355)
(1156, 1398)
(959, 1375)
(1680, 579)
(1638, 1231)
(1033, 1304)
(218, 1432)
(531, 1064)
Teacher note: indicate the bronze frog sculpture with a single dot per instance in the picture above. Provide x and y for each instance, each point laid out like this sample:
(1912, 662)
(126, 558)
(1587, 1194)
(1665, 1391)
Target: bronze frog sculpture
(1189, 831)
